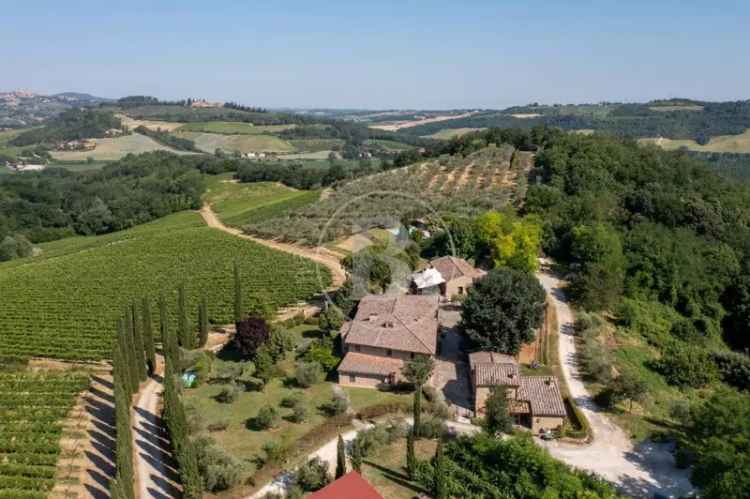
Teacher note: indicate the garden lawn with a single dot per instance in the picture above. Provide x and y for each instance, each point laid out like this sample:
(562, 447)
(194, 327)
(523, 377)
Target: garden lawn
(385, 469)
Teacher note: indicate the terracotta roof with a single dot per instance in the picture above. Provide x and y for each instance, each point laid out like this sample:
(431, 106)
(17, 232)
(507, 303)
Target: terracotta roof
(349, 486)
(543, 395)
(362, 363)
(491, 358)
(451, 267)
(405, 322)
(486, 374)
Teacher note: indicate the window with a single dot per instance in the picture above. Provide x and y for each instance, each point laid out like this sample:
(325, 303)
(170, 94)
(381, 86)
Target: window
(352, 378)
(389, 352)
(356, 348)
(411, 355)
(460, 290)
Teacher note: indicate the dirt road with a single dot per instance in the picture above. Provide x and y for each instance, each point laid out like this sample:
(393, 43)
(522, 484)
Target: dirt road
(639, 471)
(318, 255)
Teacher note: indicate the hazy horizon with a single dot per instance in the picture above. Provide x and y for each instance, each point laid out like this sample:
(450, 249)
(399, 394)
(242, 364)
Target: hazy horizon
(415, 55)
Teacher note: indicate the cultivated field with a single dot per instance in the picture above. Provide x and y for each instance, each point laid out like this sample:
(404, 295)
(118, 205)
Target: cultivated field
(389, 145)
(686, 107)
(316, 145)
(484, 180)
(398, 125)
(65, 302)
(233, 128)
(33, 407)
(132, 124)
(239, 204)
(115, 148)
(721, 143)
(449, 133)
(209, 142)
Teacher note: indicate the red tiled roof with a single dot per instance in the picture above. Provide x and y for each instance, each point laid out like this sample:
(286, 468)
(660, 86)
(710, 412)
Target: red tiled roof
(543, 394)
(369, 364)
(349, 486)
(451, 267)
(407, 323)
(486, 374)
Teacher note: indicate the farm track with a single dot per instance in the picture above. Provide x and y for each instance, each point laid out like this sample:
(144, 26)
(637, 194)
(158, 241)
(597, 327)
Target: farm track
(319, 255)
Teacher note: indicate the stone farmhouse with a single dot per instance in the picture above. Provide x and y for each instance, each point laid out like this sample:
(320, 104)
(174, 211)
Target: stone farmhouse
(534, 401)
(387, 332)
(446, 276)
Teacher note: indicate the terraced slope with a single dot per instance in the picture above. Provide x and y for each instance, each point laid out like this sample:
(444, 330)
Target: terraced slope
(64, 303)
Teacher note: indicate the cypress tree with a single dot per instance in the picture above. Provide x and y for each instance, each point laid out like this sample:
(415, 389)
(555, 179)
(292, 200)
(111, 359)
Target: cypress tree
(192, 482)
(138, 345)
(411, 458)
(130, 379)
(356, 456)
(148, 336)
(440, 482)
(183, 327)
(238, 312)
(340, 458)
(164, 331)
(203, 322)
(124, 444)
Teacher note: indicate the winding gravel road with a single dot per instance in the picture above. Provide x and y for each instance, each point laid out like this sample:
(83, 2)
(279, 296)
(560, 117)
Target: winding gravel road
(639, 471)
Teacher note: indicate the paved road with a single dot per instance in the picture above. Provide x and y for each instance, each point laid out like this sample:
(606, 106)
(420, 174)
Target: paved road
(639, 471)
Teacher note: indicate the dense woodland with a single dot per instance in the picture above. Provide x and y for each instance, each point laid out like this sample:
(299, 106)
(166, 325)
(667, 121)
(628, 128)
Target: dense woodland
(73, 124)
(55, 203)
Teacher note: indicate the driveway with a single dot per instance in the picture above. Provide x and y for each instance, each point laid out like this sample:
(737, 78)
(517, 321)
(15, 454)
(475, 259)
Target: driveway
(639, 471)
(451, 369)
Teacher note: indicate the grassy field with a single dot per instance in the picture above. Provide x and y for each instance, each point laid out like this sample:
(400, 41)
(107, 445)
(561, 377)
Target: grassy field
(209, 142)
(665, 109)
(132, 124)
(239, 204)
(386, 469)
(84, 166)
(115, 148)
(721, 143)
(316, 145)
(449, 133)
(9, 150)
(64, 303)
(233, 128)
(389, 145)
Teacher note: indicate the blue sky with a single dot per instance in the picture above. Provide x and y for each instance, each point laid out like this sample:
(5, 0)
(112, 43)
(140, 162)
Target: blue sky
(380, 54)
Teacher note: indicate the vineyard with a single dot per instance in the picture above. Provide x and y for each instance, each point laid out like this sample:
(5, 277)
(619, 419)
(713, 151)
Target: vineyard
(64, 303)
(487, 179)
(32, 411)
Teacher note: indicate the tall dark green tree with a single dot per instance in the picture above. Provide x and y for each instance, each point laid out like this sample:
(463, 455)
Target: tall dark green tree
(497, 416)
(356, 456)
(239, 312)
(124, 477)
(184, 334)
(440, 486)
(130, 377)
(202, 323)
(340, 458)
(148, 336)
(417, 372)
(168, 340)
(411, 458)
(138, 344)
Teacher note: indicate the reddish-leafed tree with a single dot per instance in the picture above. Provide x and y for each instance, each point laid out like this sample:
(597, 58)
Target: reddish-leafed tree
(251, 334)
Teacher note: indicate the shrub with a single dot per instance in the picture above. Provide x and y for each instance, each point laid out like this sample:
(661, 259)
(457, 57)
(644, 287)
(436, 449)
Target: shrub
(292, 400)
(313, 475)
(339, 404)
(251, 334)
(323, 351)
(431, 427)
(734, 368)
(308, 373)
(299, 414)
(224, 372)
(273, 451)
(687, 366)
(220, 471)
(267, 417)
(228, 394)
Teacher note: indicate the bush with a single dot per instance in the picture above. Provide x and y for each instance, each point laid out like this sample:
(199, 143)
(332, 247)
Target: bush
(734, 368)
(308, 373)
(228, 394)
(224, 372)
(299, 414)
(323, 351)
(274, 452)
(267, 417)
(339, 404)
(431, 427)
(220, 471)
(687, 366)
(313, 475)
(292, 400)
